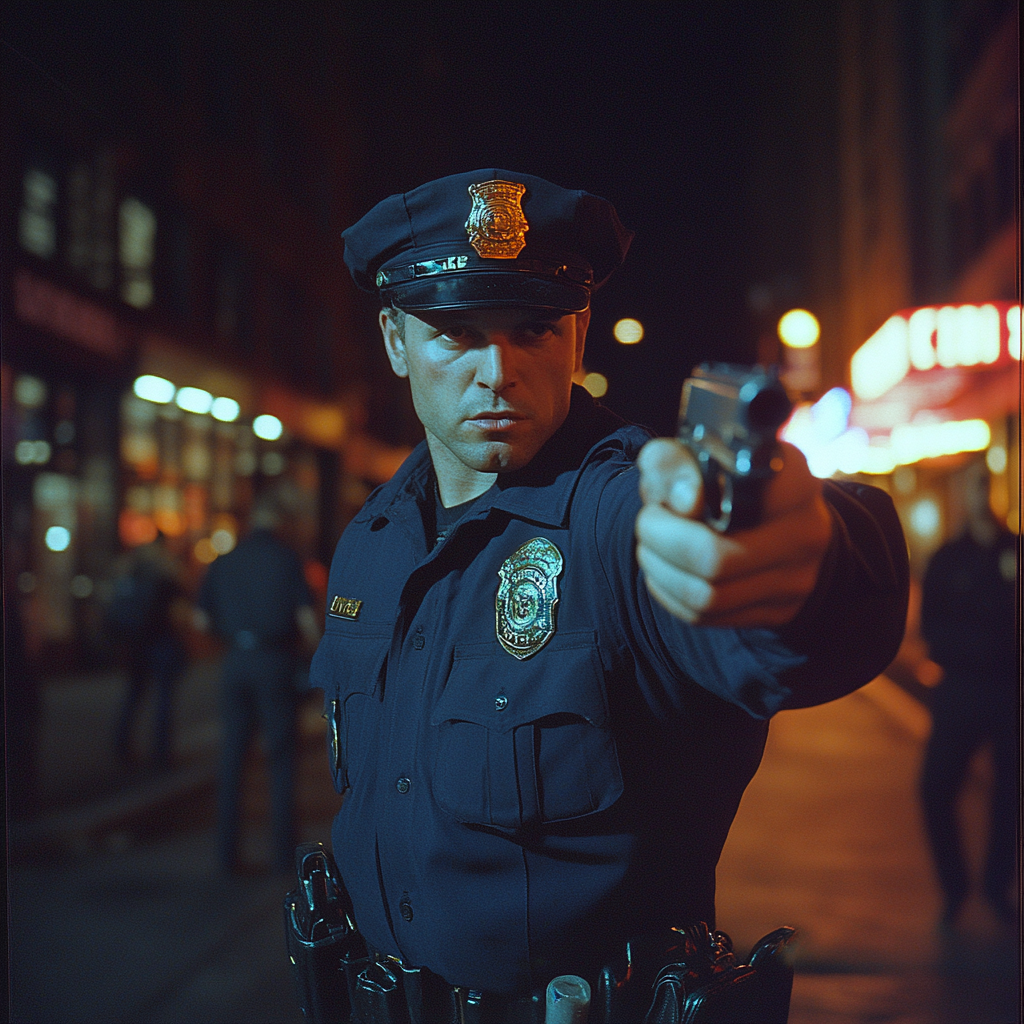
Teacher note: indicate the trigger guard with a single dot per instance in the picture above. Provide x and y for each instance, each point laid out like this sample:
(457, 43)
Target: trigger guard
(718, 494)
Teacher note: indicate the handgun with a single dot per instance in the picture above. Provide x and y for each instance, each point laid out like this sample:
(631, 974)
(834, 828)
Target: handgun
(729, 416)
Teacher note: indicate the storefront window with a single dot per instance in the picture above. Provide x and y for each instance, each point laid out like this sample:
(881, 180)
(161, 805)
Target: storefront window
(137, 224)
(37, 225)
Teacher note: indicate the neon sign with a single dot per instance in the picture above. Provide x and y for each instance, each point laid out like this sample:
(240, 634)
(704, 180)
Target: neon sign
(963, 335)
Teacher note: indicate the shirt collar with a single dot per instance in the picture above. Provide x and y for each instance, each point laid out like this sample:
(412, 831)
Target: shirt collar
(542, 490)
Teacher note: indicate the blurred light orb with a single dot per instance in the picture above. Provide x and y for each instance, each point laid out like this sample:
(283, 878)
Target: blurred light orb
(154, 389)
(204, 551)
(596, 384)
(194, 400)
(831, 413)
(58, 538)
(925, 518)
(267, 427)
(29, 391)
(222, 541)
(225, 409)
(28, 452)
(628, 331)
(995, 459)
(799, 329)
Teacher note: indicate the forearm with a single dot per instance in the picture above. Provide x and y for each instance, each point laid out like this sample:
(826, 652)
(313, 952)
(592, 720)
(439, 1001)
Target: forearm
(851, 626)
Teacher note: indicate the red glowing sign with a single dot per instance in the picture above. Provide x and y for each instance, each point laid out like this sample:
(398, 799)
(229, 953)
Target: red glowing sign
(964, 336)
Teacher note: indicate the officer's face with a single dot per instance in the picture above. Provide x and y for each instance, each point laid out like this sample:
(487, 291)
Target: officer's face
(490, 386)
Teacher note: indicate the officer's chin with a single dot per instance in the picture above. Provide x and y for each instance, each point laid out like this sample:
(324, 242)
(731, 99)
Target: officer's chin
(501, 457)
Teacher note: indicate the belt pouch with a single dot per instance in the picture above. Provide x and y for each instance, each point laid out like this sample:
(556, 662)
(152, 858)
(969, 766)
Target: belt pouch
(378, 997)
(428, 997)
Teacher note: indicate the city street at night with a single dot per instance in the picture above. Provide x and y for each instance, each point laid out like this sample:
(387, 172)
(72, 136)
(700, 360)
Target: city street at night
(550, 396)
(135, 925)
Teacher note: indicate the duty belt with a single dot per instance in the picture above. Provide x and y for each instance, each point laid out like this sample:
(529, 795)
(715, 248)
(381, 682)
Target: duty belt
(388, 991)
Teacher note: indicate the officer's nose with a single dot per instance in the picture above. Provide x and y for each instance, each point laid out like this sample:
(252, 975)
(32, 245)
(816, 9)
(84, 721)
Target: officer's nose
(495, 370)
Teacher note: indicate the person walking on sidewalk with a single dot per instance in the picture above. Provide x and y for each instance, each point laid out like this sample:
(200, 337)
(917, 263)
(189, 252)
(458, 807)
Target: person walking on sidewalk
(142, 619)
(968, 621)
(256, 599)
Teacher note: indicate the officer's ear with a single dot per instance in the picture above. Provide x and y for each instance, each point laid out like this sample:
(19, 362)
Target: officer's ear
(394, 340)
(582, 323)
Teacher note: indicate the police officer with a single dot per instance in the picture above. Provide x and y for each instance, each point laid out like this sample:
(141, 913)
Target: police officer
(257, 600)
(969, 621)
(547, 681)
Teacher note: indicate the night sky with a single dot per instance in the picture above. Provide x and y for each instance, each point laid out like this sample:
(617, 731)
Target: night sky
(710, 126)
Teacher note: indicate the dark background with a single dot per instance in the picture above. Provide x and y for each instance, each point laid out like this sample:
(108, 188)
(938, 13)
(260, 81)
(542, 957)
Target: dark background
(710, 126)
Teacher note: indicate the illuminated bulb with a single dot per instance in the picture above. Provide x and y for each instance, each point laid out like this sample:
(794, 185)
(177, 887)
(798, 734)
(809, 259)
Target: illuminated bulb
(267, 427)
(799, 329)
(153, 389)
(225, 409)
(628, 331)
(58, 538)
(193, 400)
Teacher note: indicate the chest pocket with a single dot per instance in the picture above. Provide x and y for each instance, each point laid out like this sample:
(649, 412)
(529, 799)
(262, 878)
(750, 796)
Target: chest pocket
(523, 743)
(348, 666)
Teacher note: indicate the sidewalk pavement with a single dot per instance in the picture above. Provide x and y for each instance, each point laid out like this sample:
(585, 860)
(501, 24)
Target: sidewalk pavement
(84, 792)
(829, 838)
(116, 909)
(117, 913)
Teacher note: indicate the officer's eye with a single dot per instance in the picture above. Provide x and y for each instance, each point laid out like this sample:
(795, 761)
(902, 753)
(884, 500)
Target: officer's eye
(539, 329)
(458, 334)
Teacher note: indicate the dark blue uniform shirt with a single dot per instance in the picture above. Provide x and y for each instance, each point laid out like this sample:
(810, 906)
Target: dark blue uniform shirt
(508, 819)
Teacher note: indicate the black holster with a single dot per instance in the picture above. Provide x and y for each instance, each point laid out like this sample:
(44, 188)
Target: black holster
(326, 951)
(706, 984)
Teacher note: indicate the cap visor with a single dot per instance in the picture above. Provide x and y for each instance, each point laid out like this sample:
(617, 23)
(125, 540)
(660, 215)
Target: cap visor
(488, 290)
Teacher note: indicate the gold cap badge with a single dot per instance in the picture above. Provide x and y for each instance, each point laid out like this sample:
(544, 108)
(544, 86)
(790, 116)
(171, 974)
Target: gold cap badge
(496, 226)
(527, 595)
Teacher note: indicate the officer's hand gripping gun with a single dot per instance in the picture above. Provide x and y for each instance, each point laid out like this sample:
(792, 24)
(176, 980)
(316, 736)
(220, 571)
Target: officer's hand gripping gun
(728, 417)
(324, 947)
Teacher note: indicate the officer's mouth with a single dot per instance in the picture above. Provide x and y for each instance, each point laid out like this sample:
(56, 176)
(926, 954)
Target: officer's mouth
(495, 421)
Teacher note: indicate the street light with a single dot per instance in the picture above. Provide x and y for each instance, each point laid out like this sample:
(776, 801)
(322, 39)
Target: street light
(799, 329)
(628, 331)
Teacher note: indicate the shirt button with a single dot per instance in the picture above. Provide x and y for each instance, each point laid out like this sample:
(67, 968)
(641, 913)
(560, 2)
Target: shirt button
(418, 642)
(405, 908)
(402, 785)
(500, 702)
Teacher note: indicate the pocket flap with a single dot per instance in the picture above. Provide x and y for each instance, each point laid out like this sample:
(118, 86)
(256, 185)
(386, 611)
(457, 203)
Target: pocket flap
(489, 687)
(347, 661)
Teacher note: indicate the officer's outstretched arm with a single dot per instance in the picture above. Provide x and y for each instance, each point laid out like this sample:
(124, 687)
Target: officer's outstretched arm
(759, 577)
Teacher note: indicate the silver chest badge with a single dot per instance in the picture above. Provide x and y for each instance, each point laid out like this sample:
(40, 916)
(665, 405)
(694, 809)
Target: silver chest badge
(527, 595)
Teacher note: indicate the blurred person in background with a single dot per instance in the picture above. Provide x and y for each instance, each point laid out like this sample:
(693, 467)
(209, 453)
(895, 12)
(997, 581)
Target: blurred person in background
(256, 599)
(144, 619)
(968, 619)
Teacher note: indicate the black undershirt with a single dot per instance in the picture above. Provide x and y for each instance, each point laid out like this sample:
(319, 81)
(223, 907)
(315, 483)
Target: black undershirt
(440, 521)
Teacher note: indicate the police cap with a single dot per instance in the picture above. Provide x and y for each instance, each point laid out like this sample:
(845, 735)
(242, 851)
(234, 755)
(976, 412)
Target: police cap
(487, 239)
